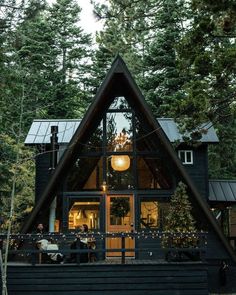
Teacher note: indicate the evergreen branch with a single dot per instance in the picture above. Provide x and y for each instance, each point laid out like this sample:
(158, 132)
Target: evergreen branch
(9, 6)
(223, 36)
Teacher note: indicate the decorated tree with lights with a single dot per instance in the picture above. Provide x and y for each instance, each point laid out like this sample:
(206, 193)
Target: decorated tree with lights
(179, 223)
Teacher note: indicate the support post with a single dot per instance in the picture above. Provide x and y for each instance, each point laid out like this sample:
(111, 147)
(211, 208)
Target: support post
(53, 160)
(78, 248)
(122, 249)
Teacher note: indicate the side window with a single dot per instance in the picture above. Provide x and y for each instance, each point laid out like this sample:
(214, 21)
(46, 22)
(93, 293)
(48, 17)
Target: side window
(150, 217)
(153, 212)
(84, 211)
(186, 156)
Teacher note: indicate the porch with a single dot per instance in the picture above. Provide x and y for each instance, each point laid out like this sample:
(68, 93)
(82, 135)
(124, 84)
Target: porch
(119, 274)
(109, 248)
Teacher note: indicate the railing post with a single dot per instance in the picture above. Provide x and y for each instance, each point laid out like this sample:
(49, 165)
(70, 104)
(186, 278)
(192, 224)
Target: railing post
(122, 249)
(33, 253)
(78, 247)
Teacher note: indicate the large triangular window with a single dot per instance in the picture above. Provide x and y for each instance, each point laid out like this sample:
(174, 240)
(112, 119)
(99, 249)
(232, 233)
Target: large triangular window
(123, 152)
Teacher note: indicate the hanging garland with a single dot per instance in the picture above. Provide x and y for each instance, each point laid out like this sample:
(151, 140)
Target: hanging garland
(120, 207)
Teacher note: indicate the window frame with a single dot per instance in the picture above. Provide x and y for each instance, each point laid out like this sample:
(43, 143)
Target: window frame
(185, 152)
(73, 197)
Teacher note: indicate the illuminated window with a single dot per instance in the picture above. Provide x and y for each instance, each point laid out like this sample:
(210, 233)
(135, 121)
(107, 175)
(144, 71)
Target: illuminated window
(149, 214)
(85, 211)
(186, 156)
(153, 213)
(120, 179)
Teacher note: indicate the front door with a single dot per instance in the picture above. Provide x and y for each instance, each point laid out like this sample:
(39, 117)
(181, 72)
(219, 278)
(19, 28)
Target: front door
(119, 218)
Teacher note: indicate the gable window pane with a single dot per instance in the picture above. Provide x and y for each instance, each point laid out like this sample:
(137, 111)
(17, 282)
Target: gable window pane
(182, 156)
(186, 156)
(119, 131)
(120, 179)
(153, 173)
(85, 174)
(119, 103)
(189, 156)
(94, 144)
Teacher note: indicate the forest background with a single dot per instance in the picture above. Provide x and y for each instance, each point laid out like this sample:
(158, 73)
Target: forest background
(182, 54)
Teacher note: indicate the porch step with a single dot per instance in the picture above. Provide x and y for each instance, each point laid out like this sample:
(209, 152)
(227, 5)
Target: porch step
(135, 279)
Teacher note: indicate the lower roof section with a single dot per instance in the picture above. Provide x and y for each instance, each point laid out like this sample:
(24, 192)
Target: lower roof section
(222, 191)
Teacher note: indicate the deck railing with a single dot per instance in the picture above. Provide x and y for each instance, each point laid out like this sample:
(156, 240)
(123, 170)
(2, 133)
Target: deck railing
(24, 245)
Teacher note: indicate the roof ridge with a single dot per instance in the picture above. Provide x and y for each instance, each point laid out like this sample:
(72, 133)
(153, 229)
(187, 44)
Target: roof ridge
(56, 120)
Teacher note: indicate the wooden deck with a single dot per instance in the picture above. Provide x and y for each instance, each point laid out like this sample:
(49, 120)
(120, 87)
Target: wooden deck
(148, 275)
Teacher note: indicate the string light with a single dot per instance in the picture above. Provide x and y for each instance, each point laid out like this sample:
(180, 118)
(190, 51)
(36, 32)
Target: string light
(145, 234)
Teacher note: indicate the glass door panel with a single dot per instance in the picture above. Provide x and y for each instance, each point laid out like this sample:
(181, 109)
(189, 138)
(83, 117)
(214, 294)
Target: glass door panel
(120, 218)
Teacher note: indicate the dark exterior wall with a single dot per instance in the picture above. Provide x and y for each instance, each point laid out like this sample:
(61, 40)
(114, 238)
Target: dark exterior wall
(233, 222)
(42, 174)
(42, 169)
(214, 282)
(215, 248)
(108, 279)
(198, 171)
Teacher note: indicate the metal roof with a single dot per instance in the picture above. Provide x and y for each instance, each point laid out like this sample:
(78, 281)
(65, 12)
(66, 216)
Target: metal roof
(40, 131)
(222, 190)
(171, 130)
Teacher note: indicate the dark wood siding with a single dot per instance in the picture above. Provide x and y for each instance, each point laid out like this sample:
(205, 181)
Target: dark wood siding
(42, 174)
(215, 249)
(131, 279)
(199, 170)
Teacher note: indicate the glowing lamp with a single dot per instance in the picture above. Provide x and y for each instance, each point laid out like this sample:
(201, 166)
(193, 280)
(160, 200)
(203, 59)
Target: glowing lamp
(120, 162)
(104, 186)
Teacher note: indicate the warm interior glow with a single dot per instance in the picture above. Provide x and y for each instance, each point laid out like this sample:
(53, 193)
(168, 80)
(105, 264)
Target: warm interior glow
(81, 214)
(84, 212)
(104, 186)
(120, 162)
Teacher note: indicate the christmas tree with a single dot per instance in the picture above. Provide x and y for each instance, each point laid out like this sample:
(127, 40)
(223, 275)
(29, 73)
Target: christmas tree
(179, 223)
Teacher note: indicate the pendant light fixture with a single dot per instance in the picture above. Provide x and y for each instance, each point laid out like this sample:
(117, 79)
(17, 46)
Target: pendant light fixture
(120, 162)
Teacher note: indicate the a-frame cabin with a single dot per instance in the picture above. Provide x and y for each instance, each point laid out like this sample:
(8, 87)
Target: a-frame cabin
(119, 155)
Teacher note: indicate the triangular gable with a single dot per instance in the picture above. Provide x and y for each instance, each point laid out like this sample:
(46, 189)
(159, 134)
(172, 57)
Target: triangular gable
(119, 82)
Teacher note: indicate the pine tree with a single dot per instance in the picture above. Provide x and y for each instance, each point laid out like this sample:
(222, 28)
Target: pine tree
(123, 34)
(13, 119)
(24, 195)
(71, 51)
(33, 74)
(163, 81)
(207, 54)
(146, 33)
